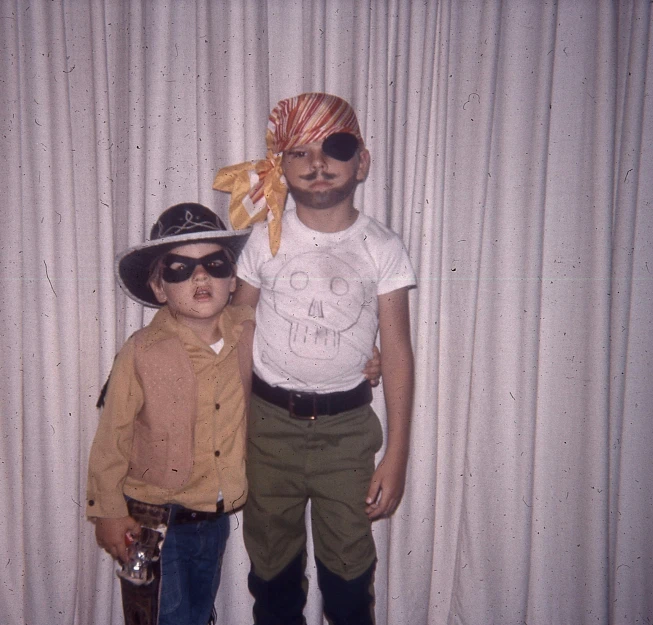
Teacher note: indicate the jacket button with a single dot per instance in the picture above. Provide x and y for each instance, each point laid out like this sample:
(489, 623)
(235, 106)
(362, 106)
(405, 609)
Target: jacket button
(91, 502)
(217, 453)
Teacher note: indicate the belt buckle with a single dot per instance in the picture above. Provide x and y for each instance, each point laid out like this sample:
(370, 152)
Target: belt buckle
(291, 407)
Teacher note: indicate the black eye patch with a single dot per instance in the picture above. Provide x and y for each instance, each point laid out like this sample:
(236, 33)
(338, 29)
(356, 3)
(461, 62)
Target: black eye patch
(177, 268)
(341, 145)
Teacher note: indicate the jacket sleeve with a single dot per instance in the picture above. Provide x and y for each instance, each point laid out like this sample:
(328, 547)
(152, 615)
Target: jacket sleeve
(111, 449)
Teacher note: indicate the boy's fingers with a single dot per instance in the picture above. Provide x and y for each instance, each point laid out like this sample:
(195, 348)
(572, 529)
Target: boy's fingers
(372, 492)
(373, 500)
(110, 534)
(122, 554)
(134, 528)
(372, 369)
(384, 506)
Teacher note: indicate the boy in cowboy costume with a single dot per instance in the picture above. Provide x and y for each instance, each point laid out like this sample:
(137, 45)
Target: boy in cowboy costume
(323, 278)
(168, 459)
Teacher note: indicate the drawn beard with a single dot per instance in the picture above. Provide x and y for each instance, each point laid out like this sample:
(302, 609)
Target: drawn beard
(326, 198)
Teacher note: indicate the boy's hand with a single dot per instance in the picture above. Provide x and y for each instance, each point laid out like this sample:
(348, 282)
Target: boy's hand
(372, 368)
(386, 488)
(110, 535)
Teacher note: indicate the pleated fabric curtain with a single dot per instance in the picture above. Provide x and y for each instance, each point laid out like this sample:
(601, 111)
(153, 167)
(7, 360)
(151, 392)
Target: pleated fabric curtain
(511, 145)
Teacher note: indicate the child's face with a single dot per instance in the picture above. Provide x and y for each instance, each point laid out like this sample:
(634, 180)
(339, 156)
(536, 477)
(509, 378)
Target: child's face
(317, 180)
(199, 295)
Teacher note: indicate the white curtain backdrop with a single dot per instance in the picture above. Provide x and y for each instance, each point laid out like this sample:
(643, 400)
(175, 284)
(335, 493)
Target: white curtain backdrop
(512, 150)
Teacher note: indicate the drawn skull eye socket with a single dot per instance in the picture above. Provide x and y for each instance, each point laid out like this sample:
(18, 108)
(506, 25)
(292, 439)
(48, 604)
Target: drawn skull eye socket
(299, 280)
(339, 286)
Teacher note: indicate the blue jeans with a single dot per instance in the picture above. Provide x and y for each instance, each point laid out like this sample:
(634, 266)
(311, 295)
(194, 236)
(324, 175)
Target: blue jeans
(191, 560)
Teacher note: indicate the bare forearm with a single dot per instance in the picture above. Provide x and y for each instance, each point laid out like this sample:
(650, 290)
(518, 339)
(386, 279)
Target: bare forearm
(397, 367)
(398, 376)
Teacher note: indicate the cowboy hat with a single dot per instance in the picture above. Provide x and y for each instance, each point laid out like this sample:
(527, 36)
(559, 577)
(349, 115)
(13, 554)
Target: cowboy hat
(178, 225)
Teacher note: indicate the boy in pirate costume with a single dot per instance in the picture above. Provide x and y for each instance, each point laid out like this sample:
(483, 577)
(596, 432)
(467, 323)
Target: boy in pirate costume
(168, 459)
(323, 279)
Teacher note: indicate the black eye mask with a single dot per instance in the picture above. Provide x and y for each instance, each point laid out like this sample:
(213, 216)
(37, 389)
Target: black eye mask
(216, 264)
(341, 145)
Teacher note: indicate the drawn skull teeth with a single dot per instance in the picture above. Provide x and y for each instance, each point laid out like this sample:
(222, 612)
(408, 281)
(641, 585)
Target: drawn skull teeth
(304, 340)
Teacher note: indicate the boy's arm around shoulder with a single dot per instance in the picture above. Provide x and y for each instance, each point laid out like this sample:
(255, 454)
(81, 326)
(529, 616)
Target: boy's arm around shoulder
(397, 368)
(245, 294)
(244, 316)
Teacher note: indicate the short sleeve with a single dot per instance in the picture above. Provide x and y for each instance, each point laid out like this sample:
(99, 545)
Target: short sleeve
(396, 270)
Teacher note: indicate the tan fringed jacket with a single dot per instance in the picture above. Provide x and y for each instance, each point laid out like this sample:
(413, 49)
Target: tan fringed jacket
(173, 427)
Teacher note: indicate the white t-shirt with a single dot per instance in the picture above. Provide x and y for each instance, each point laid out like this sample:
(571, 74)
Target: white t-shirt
(217, 346)
(317, 315)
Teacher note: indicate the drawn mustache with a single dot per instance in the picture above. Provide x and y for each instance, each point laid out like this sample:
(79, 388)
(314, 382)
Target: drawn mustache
(314, 175)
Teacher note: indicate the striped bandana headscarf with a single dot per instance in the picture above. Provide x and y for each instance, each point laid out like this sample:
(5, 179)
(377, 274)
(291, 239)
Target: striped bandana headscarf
(257, 188)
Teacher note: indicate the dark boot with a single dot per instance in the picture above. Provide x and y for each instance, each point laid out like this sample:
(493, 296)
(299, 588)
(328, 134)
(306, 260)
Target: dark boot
(347, 602)
(281, 600)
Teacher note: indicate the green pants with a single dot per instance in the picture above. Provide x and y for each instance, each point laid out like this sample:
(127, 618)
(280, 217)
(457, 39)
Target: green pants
(330, 461)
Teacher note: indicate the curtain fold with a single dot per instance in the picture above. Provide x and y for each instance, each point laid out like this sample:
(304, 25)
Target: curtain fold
(631, 295)
(511, 150)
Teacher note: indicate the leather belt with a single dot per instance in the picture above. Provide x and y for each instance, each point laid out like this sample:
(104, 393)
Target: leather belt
(310, 406)
(152, 515)
(181, 516)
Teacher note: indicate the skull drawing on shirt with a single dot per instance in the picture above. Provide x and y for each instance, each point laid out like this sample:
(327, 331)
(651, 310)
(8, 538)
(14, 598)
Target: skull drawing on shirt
(321, 296)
